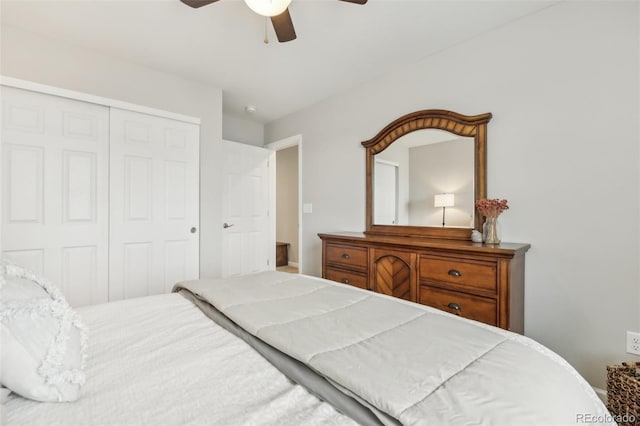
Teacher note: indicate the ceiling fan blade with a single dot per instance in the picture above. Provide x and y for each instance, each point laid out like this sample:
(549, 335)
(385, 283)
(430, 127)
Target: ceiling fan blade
(284, 27)
(356, 1)
(197, 3)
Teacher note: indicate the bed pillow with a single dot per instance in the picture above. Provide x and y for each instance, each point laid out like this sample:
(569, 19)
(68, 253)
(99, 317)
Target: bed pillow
(44, 342)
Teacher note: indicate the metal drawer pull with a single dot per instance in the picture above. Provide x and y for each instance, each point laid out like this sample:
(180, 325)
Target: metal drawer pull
(345, 280)
(454, 273)
(345, 256)
(454, 306)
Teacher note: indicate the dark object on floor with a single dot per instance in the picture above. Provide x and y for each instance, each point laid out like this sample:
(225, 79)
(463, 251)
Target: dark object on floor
(282, 254)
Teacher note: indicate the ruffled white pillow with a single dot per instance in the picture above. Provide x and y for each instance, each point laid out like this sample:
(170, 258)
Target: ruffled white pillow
(44, 341)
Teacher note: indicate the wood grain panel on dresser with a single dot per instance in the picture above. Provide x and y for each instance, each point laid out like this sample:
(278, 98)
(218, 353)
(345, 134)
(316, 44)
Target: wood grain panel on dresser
(392, 273)
(480, 282)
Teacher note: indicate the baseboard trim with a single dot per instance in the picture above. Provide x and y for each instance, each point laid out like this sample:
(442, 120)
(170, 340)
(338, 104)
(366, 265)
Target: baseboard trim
(293, 264)
(602, 394)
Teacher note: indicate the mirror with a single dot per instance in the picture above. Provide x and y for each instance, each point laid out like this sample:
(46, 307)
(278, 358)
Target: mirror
(425, 171)
(412, 174)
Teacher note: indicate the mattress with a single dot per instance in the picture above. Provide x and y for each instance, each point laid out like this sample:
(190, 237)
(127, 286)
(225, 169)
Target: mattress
(159, 361)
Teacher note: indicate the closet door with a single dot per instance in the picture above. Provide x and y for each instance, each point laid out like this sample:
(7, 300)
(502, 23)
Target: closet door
(154, 204)
(55, 191)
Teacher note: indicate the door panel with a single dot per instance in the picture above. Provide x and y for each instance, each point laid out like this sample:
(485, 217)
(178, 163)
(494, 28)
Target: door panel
(79, 186)
(29, 259)
(24, 180)
(154, 187)
(176, 253)
(79, 278)
(55, 191)
(385, 196)
(137, 273)
(138, 188)
(246, 244)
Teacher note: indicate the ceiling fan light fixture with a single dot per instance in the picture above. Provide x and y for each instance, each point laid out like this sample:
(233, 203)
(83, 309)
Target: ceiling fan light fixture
(268, 7)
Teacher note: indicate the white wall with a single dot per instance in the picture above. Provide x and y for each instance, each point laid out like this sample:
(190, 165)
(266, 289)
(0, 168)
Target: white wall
(563, 87)
(31, 57)
(242, 129)
(287, 199)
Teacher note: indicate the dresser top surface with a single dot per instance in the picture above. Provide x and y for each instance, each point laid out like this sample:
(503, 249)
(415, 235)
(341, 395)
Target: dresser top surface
(504, 249)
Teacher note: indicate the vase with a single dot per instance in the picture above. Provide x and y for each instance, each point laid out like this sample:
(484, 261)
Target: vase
(491, 231)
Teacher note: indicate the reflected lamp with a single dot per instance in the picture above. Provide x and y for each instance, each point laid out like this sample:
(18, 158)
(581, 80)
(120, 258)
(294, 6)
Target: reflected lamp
(444, 201)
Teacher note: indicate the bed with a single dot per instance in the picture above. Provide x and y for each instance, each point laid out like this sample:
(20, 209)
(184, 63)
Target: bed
(276, 348)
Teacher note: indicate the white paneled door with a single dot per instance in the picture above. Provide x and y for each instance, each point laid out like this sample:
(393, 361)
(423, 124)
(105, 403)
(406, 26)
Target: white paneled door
(385, 194)
(154, 204)
(55, 190)
(248, 231)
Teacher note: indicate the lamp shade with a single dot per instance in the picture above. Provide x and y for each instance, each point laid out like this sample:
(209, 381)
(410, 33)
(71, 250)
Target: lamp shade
(268, 7)
(443, 200)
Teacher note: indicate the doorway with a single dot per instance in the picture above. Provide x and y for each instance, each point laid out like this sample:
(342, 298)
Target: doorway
(288, 211)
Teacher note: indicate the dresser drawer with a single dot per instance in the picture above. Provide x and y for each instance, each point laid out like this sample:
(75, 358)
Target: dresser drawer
(473, 307)
(345, 277)
(469, 274)
(347, 256)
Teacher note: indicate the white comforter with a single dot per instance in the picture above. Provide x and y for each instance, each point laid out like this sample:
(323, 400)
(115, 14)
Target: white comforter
(416, 364)
(159, 361)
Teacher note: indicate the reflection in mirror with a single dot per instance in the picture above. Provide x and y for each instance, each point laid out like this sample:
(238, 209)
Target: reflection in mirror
(409, 174)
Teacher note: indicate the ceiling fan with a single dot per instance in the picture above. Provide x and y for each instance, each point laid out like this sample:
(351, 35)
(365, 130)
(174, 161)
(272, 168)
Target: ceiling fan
(277, 10)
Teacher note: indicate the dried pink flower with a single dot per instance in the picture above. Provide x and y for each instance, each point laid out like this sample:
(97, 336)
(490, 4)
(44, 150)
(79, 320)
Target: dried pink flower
(491, 207)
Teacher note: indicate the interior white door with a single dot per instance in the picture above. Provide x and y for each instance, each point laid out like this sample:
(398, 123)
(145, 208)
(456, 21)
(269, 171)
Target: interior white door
(154, 204)
(385, 193)
(55, 191)
(248, 242)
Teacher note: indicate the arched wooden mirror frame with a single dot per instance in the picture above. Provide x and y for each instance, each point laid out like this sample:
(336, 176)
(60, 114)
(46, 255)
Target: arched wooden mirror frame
(462, 125)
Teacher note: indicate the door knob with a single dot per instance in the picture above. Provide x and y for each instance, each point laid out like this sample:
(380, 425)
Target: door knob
(193, 230)
(226, 225)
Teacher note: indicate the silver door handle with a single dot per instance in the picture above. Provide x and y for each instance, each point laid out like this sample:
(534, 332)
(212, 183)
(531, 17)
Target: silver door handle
(226, 225)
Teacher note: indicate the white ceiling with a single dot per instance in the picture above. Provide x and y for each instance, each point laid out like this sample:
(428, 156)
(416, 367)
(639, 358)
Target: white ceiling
(339, 45)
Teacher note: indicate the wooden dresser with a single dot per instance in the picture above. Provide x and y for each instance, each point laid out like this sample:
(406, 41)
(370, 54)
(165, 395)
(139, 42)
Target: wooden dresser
(484, 283)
